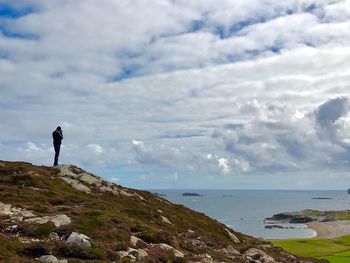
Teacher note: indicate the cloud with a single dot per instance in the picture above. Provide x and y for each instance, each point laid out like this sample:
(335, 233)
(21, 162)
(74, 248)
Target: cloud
(224, 165)
(330, 115)
(95, 148)
(260, 85)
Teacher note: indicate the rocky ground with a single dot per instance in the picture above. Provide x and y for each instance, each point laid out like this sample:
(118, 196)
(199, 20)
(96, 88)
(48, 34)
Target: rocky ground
(66, 214)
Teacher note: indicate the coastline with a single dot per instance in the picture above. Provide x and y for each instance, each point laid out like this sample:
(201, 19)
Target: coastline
(331, 229)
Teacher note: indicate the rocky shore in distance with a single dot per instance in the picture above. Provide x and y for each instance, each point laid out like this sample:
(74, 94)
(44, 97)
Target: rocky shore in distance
(309, 215)
(327, 224)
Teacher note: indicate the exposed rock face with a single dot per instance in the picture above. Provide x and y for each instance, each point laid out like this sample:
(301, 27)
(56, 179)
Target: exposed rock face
(57, 220)
(86, 182)
(79, 239)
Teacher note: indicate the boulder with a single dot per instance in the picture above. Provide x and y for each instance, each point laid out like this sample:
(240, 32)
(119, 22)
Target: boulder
(48, 259)
(51, 259)
(123, 254)
(141, 254)
(255, 255)
(90, 179)
(166, 220)
(166, 247)
(5, 209)
(37, 220)
(57, 220)
(78, 239)
(232, 250)
(60, 220)
(77, 185)
(232, 236)
(137, 242)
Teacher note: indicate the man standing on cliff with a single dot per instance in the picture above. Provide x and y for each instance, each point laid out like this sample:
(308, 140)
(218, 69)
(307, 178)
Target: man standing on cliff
(57, 136)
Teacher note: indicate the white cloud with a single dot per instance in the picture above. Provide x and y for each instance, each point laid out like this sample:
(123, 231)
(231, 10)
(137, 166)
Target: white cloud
(95, 148)
(224, 165)
(250, 83)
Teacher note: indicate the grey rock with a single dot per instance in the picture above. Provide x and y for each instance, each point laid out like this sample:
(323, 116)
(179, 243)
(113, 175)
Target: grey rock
(255, 255)
(232, 236)
(78, 239)
(48, 259)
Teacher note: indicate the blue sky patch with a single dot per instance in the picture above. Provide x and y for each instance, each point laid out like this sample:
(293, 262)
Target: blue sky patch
(16, 34)
(9, 11)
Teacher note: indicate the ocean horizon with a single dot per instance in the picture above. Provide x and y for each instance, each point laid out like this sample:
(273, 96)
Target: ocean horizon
(245, 210)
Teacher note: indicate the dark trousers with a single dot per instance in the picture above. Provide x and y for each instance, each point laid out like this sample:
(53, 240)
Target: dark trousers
(57, 153)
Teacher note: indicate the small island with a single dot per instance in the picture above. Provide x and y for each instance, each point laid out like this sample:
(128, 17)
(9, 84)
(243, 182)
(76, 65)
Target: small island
(159, 194)
(191, 194)
(321, 198)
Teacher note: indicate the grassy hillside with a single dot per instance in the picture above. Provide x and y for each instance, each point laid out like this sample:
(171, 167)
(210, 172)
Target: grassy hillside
(121, 224)
(335, 250)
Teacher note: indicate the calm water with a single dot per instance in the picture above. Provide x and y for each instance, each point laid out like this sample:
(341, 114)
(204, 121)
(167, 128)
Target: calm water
(244, 210)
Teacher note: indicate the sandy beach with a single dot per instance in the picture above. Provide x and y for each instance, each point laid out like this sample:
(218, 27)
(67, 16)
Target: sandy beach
(332, 229)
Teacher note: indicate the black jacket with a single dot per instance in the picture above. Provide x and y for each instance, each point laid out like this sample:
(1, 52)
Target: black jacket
(57, 137)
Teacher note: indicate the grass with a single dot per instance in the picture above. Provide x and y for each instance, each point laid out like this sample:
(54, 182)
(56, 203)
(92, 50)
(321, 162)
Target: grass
(335, 250)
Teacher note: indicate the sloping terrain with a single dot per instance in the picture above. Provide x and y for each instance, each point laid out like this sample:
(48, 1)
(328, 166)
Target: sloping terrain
(68, 214)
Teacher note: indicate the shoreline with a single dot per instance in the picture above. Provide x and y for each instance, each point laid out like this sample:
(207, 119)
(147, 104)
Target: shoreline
(331, 229)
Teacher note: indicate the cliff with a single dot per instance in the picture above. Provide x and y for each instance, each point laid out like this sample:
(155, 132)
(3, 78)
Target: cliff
(66, 214)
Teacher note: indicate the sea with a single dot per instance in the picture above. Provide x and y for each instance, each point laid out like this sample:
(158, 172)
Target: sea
(245, 210)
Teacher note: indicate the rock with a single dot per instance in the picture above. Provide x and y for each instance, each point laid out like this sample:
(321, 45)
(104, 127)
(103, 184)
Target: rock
(124, 192)
(141, 254)
(53, 236)
(37, 220)
(90, 179)
(255, 255)
(26, 214)
(191, 194)
(137, 242)
(57, 220)
(300, 219)
(139, 197)
(51, 259)
(166, 247)
(78, 239)
(48, 259)
(166, 220)
(232, 250)
(60, 220)
(77, 185)
(132, 251)
(108, 189)
(5, 209)
(274, 227)
(123, 253)
(232, 236)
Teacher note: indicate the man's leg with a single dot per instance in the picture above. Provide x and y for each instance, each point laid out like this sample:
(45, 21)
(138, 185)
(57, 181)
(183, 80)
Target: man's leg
(57, 153)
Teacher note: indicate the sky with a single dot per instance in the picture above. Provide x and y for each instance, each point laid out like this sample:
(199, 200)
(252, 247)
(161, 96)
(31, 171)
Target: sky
(180, 94)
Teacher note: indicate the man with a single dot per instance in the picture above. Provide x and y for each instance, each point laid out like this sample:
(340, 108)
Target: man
(57, 136)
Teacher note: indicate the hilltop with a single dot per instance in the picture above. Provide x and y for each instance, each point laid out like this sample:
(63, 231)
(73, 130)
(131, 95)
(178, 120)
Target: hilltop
(65, 214)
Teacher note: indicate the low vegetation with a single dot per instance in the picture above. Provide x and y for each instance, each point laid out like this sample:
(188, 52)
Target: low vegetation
(110, 219)
(334, 250)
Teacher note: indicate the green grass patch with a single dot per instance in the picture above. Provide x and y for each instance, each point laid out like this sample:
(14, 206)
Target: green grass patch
(334, 250)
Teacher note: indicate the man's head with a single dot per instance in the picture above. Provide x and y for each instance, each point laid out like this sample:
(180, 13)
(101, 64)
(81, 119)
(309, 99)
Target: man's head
(58, 128)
